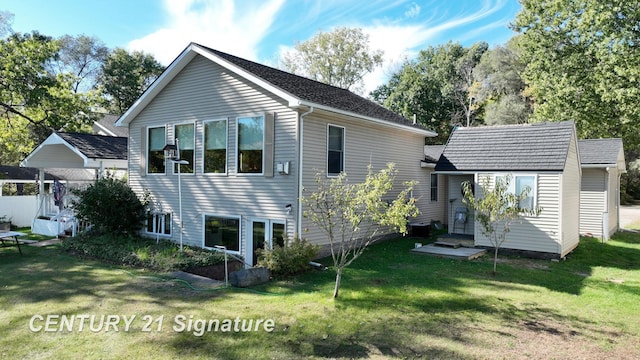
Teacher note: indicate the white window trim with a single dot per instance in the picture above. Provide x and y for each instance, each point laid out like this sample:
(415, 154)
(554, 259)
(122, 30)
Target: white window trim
(147, 158)
(240, 237)
(512, 184)
(344, 150)
(161, 214)
(431, 175)
(195, 146)
(226, 163)
(264, 139)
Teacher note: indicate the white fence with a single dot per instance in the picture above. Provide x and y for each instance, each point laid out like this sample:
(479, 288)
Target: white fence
(19, 209)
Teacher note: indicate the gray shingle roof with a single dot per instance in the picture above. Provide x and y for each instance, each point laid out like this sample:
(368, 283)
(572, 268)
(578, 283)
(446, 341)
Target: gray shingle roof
(432, 152)
(97, 146)
(108, 122)
(600, 151)
(316, 92)
(529, 147)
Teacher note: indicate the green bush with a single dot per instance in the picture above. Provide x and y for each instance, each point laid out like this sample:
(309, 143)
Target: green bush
(140, 252)
(290, 259)
(110, 206)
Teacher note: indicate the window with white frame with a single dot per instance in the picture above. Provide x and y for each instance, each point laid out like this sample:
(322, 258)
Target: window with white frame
(185, 134)
(520, 183)
(215, 147)
(159, 223)
(222, 231)
(250, 144)
(434, 187)
(335, 150)
(155, 150)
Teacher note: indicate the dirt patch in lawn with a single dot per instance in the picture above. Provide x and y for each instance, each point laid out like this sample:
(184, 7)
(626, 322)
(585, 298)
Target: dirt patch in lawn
(215, 272)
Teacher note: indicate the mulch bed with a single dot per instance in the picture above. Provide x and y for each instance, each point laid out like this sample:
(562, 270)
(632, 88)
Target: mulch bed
(215, 272)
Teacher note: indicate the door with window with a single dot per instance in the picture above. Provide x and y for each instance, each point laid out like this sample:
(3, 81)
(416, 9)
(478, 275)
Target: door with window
(264, 234)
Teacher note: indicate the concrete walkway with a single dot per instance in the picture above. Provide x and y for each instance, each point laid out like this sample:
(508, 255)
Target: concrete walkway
(629, 214)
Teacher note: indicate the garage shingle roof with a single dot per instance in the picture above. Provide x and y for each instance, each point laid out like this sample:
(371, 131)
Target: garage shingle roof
(528, 147)
(599, 151)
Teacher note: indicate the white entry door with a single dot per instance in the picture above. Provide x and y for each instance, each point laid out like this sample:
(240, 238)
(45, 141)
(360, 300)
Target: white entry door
(264, 234)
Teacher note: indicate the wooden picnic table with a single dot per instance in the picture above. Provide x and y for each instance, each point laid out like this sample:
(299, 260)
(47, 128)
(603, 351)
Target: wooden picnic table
(10, 238)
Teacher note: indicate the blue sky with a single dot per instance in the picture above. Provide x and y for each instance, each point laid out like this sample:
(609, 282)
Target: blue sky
(260, 30)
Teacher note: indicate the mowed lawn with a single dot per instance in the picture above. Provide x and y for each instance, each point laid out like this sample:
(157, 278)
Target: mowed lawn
(393, 304)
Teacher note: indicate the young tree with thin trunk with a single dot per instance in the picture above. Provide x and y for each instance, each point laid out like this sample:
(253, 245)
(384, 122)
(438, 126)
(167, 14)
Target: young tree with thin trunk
(355, 215)
(497, 208)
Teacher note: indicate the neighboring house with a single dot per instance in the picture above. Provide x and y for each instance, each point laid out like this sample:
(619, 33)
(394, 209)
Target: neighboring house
(542, 156)
(76, 158)
(602, 162)
(107, 126)
(254, 138)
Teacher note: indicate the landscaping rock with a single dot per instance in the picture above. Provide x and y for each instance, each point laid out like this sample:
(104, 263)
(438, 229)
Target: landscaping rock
(249, 277)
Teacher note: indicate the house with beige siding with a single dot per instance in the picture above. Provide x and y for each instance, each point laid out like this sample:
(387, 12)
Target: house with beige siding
(254, 138)
(542, 156)
(602, 162)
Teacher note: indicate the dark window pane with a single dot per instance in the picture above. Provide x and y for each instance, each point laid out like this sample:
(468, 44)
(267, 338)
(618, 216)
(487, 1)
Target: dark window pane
(222, 231)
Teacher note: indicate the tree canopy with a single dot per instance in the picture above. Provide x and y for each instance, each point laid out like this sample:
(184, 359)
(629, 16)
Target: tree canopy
(125, 76)
(583, 64)
(341, 58)
(435, 87)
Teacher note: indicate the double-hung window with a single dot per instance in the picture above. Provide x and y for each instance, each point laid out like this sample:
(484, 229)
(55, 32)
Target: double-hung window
(185, 134)
(155, 150)
(335, 150)
(251, 142)
(215, 147)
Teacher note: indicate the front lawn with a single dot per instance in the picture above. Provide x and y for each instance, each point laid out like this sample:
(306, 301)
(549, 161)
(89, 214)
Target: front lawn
(393, 304)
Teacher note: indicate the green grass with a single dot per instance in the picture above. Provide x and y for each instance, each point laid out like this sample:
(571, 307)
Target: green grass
(393, 304)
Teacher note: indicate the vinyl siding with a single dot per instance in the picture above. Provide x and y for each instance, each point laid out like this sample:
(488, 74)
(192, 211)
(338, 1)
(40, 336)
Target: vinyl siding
(539, 233)
(205, 91)
(570, 197)
(365, 143)
(592, 201)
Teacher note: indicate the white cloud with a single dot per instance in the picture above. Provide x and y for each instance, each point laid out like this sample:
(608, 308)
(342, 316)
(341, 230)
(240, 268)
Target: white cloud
(226, 25)
(414, 10)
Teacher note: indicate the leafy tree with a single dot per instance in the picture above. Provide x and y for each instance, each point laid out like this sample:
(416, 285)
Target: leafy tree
(81, 56)
(125, 76)
(111, 206)
(34, 99)
(499, 86)
(583, 64)
(353, 215)
(436, 88)
(340, 58)
(496, 209)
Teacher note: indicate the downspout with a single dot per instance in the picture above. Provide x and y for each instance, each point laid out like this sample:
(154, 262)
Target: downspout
(607, 213)
(300, 166)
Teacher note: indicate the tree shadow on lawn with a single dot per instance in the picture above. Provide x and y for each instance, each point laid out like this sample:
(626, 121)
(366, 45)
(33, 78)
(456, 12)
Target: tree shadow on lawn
(48, 274)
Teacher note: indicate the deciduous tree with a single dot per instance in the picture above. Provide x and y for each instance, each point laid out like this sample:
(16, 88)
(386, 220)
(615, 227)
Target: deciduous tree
(125, 76)
(341, 58)
(353, 215)
(583, 64)
(495, 208)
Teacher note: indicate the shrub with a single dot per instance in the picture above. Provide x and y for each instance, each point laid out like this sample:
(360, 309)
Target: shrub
(290, 259)
(140, 252)
(110, 206)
